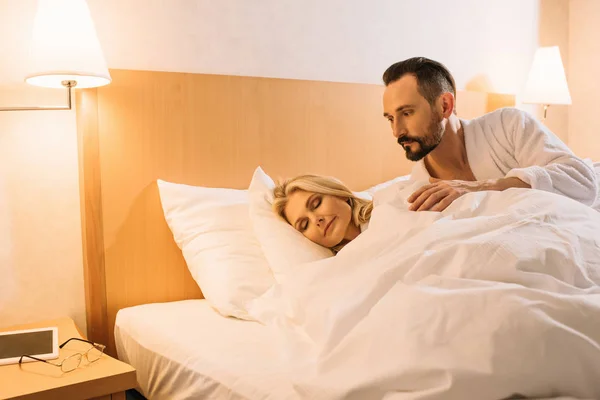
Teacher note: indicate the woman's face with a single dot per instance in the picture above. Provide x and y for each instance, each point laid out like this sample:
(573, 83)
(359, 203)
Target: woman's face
(324, 219)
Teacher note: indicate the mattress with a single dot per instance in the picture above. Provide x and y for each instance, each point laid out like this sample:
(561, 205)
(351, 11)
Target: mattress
(186, 350)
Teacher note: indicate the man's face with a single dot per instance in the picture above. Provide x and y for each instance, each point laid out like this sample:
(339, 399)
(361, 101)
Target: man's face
(415, 124)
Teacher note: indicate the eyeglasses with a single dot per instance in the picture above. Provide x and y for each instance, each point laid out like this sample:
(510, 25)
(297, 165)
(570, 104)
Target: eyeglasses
(73, 361)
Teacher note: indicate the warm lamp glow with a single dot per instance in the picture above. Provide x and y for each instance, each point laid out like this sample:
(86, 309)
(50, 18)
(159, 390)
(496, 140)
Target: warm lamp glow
(64, 46)
(547, 83)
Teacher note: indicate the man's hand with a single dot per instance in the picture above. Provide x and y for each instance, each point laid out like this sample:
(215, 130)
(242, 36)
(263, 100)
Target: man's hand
(440, 194)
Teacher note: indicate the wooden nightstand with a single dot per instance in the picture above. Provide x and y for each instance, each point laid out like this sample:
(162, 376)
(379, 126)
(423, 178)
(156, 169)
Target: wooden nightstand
(105, 379)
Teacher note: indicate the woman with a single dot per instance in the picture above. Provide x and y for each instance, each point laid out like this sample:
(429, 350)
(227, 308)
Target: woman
(322, 209)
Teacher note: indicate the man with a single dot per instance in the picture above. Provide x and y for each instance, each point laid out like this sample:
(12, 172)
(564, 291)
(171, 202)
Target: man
(503, 149)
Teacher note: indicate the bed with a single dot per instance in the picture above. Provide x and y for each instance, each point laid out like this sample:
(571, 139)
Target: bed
(196, 353)
(208, 131)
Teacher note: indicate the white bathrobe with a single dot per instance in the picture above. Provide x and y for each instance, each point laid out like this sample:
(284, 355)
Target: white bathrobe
(511, 143)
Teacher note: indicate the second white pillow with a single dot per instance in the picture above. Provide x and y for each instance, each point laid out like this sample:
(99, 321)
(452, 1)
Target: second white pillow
(283, 246)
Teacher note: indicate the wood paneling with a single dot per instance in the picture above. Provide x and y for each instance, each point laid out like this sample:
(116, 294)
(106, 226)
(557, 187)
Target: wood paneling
(90, 192)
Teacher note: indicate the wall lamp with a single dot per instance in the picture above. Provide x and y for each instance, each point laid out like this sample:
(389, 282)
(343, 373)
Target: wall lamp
(64, 52)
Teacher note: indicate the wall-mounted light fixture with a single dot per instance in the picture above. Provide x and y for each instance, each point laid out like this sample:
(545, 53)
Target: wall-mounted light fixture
(64, 50)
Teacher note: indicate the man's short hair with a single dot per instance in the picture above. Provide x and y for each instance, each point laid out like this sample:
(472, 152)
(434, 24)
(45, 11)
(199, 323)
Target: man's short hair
(433, 78)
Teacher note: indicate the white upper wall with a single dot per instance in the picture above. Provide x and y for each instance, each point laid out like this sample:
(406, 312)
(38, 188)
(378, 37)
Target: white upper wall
(490, 41)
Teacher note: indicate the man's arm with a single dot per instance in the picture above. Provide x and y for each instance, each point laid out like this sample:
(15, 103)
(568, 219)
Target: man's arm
(440, 194)
(545, 162)
(504, 183)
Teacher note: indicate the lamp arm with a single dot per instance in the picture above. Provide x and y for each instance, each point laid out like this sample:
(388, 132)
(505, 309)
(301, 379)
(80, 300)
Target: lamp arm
(67, 84)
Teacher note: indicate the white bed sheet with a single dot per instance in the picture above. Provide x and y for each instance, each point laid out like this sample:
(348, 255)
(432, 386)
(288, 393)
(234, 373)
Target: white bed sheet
(186, 350)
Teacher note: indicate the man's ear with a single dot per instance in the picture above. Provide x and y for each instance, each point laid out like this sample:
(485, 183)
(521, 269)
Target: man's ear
(447, 104)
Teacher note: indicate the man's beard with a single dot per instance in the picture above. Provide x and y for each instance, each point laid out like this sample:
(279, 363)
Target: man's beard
(428, 142)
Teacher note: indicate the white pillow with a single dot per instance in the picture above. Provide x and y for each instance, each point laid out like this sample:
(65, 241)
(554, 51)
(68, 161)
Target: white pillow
(283, 246)
(212, 228)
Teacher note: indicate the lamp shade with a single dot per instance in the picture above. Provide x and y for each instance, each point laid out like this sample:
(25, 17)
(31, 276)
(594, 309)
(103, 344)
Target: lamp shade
(64, 46)
(547, 83)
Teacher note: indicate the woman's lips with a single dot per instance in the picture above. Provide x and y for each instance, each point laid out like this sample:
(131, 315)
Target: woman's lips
(328, 225)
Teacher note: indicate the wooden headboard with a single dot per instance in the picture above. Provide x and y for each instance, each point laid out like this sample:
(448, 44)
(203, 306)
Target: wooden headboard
(209, 130)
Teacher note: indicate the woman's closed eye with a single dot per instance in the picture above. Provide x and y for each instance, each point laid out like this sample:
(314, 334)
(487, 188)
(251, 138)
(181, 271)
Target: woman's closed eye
(316, 203)
(313, 204)
(303, 225)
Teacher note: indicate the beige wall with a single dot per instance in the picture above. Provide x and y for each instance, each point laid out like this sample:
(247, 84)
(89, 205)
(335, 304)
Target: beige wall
(41, 273)
(584, 77)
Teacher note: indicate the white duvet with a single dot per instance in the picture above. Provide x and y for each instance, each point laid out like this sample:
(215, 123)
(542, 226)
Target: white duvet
(498, 295)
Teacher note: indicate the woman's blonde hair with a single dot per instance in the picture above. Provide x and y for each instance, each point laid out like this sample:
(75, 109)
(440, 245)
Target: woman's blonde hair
(361, 208)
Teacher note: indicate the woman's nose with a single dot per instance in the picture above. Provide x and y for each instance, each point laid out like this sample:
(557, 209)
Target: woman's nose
(319, 221)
